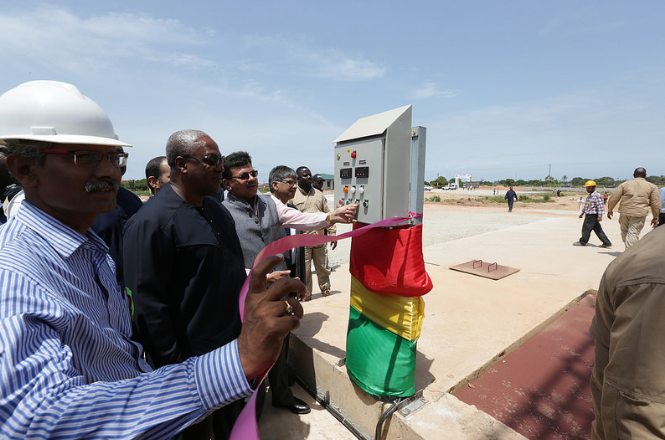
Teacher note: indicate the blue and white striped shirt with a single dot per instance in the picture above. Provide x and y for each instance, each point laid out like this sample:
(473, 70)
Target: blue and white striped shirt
(67, 366)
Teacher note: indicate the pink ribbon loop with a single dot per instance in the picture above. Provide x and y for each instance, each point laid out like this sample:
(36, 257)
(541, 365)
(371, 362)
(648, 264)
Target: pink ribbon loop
(245, 427)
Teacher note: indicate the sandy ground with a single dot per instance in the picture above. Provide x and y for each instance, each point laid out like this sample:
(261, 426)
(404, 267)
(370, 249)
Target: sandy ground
(449, 219)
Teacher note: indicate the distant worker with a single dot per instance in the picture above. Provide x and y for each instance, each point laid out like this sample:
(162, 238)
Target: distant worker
(593, 214)
(317, 182)
(157, 173)
(307, 199)
(606, 196)
(635, 197)
(511, 196)
(580, 203)
(661, 217)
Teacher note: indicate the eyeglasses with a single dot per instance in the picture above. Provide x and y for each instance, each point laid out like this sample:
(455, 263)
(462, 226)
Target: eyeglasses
(92, 158)
(289, 182)
(209, 159)
(245, 176)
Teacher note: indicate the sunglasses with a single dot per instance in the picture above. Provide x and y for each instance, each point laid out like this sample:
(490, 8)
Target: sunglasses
(245, 176)
(209, 159)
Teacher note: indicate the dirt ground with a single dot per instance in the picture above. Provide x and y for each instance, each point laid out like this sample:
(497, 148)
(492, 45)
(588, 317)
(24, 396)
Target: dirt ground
(484, 197)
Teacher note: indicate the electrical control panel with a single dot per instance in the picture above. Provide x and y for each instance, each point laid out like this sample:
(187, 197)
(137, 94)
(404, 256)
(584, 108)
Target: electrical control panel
(373, 165)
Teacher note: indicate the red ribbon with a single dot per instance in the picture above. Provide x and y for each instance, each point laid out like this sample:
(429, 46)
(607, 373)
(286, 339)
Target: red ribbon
(245, 427)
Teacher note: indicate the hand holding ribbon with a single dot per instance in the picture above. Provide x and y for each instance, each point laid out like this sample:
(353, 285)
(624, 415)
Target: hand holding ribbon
(269, 304)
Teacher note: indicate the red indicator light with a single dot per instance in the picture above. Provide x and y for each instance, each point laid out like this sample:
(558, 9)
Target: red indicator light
(353, 155)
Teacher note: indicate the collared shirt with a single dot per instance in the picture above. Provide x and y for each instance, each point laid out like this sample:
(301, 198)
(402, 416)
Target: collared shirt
(304, 221)
(636, 198)
(312, 201)
(628, 328)
(594, 204)
(68, 368)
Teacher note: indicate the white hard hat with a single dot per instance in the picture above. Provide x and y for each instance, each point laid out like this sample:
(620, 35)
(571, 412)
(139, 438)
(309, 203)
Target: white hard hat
(53, 111)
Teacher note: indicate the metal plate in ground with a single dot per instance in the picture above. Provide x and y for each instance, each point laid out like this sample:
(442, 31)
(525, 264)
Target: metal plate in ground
(493, 271)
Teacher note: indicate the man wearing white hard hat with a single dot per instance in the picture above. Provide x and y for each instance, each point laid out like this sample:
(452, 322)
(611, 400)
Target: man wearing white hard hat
(68, 367)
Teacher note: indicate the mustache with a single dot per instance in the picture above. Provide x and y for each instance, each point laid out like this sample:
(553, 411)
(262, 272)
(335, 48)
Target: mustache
(101, 185)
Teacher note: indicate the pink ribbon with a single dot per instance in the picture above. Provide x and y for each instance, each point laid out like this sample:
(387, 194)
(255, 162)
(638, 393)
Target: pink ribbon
(245, 427)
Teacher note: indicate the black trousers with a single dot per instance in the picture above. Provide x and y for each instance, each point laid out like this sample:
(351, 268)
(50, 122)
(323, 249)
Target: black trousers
(278, 378)
(591, 223)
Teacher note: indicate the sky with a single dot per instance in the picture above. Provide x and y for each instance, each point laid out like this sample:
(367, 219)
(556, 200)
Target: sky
(505, 89)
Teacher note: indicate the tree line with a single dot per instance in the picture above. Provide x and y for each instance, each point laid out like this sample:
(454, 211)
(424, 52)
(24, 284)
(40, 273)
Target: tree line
(601, 182)
(141, 186)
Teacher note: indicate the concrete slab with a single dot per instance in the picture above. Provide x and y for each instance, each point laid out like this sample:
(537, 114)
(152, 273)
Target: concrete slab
(470, 324)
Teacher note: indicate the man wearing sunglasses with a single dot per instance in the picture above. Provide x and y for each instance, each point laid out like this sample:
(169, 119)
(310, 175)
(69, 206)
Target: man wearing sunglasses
(68, 367)
(184, 266)
(259, 221)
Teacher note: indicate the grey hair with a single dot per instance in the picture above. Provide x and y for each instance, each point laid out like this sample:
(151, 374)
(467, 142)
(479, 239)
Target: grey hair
(182, 143)
(279, 173)
(29, 149)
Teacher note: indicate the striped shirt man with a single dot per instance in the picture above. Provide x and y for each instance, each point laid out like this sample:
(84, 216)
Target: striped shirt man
(594, 204)
(68, 368)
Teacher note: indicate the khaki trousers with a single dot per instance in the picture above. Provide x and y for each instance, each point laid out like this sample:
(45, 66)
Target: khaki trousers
(319, 255)
(630, 228)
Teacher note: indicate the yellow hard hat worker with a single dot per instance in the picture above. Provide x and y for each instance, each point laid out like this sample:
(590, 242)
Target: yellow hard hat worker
(589, 183)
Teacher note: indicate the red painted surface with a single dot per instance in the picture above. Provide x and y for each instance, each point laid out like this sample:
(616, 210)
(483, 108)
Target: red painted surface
(541, 389)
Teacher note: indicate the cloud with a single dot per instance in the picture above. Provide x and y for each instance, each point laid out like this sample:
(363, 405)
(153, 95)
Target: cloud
(51, 36)
(430, 90)
(339, 67)
(330, 64)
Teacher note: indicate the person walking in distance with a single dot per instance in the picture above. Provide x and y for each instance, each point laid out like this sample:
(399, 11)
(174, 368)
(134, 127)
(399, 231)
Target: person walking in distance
(593, 214)
(635, 198)
(511, 196)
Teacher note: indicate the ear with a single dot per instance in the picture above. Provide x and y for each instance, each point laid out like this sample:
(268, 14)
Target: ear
(153, 182)
(226, 183)
(274, 186)
(181, 164)
(23, 169)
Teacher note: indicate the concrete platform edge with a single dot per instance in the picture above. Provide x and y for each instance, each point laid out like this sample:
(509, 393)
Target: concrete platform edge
(330, 385)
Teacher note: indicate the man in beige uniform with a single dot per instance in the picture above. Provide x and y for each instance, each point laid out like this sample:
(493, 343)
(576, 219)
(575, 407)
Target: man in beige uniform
(635, 197)
(628, 378)
(308, 199)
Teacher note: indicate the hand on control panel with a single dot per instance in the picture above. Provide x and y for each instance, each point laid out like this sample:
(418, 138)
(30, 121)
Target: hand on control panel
(344, 214)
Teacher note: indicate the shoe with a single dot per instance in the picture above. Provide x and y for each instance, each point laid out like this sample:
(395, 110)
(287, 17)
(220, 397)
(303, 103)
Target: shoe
(606, 246)
(297, 407)
(579, 243)
(325, 293)
(307, 298)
